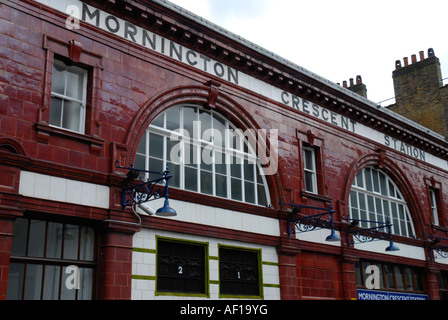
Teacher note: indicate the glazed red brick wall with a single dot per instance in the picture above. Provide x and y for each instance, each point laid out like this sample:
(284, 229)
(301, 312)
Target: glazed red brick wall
(129, 79)
(319, 276)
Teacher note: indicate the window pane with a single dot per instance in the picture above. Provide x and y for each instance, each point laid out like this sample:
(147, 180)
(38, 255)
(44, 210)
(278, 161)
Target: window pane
(368, 176)
(249, 192)
(20, 237)
(219, 131)
(235, 167)
(56, 112)
(190, 116)
(238, 272)
(66, 293)
(71, 115)
(87, 244)
(86, 282)
(54, 240)
(142, 146)
(75, 85)
(36, 241)
(359, 181)
(399, 278)
(175, 172)
(51, 282)
(206, 182)
(308, 159)
(173, 118)
(409, 281)
(191, 155)
(180, 267)
(158, 121)
(220, 163)
(71, 240)
(155, 165)
(207, 158)
(383, 184)
(191, 179)
(249, 167)
(16, 274)
(155, 146)
(33, 281)
(58, 79)
(309, 186)
(262, 195)
(389, 277)
(206, 125)
(237, 192)
(221, 185)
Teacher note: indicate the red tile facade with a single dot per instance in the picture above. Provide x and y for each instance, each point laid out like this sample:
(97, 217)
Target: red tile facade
(130, 85)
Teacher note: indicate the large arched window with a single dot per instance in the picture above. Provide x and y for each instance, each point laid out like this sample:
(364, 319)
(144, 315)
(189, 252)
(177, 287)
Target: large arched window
(205, 153)
(375, 197)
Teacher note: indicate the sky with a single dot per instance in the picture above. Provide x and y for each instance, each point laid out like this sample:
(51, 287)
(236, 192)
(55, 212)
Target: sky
(338, 39)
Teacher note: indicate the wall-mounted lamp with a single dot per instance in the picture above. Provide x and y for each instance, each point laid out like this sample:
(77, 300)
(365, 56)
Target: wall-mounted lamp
(369, 234)
(137, 194)
(437, 250)
(310, 223)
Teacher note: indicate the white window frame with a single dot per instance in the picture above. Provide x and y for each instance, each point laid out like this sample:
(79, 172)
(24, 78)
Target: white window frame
(380, 205)
(433, 202)
(83, 102)
(244, 151)
(310, 168)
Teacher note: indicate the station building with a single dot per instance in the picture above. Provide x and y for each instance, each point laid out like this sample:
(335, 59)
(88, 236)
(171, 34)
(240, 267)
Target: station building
(267, 162)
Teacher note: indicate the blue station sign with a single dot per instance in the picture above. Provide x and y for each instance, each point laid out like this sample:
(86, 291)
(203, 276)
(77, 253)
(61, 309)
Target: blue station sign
(389, 295)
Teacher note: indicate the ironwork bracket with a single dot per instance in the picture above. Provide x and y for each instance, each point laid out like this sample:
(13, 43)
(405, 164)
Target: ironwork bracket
(135, 194)
(440, 250)
(370, 234)
(312, 222)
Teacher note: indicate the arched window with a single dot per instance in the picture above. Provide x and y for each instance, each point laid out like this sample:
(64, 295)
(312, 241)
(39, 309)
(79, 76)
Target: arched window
(375, 197)
(205, 153)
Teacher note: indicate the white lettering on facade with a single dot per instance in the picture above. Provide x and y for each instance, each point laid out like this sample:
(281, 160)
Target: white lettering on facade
(177, 52)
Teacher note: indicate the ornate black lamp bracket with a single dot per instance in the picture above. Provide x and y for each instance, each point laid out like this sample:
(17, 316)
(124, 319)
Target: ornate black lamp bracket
(138, 193)
(296, 223)
(370, 234)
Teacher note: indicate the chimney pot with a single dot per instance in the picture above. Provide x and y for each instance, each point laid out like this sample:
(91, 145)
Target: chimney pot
(430, 52)
(406, 63)
(358, 80)
(344, 83)
(414, 58)
(351, 82)
(422, 55)
(397, 64)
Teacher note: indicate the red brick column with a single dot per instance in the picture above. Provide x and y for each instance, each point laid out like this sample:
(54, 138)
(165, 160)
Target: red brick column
(431, 283)
(6, 224)
(348, 271)
(115, 271)
(290, 288)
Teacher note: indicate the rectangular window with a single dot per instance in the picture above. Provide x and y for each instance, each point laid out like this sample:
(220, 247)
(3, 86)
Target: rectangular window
(181, 267)
(239, 272)
(68, 97)
(309, 167)
(390, 276)
(434, 211)
(47, 258)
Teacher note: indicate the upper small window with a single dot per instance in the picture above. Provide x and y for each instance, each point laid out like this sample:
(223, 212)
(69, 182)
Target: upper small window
(68, 97)
(434, 211)
(309, 167)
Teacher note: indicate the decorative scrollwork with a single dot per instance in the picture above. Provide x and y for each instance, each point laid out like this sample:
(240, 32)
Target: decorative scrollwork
(135, 194)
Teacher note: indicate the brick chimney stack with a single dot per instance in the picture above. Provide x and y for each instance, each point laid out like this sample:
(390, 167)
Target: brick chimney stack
(419, 92)
(358, 87)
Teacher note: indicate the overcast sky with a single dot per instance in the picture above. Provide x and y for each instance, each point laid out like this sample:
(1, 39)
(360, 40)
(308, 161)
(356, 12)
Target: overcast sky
(338, 39)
